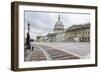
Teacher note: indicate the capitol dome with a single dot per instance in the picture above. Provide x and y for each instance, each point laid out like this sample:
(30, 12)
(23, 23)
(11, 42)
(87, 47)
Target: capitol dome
(59, 24)
(59, 27)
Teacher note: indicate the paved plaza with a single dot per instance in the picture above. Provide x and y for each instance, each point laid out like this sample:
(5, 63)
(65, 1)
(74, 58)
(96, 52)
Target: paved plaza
(57, 51)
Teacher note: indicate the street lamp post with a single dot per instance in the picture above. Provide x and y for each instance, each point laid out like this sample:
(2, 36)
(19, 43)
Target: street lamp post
(28, 37)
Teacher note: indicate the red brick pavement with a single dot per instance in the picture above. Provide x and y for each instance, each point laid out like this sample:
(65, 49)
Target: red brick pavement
(55, 54)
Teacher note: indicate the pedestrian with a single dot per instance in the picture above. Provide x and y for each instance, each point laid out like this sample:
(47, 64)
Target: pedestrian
(32, 48)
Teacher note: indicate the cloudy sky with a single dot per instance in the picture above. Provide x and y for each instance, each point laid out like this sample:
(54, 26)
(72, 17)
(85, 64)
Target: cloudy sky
(42, 23)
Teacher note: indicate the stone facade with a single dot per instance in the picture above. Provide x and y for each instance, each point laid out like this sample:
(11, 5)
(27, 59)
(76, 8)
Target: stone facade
(60, 37)
(78, 33)
(51, 37)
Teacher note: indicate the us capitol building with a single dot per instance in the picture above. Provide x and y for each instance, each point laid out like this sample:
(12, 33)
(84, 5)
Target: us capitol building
(75, 33)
